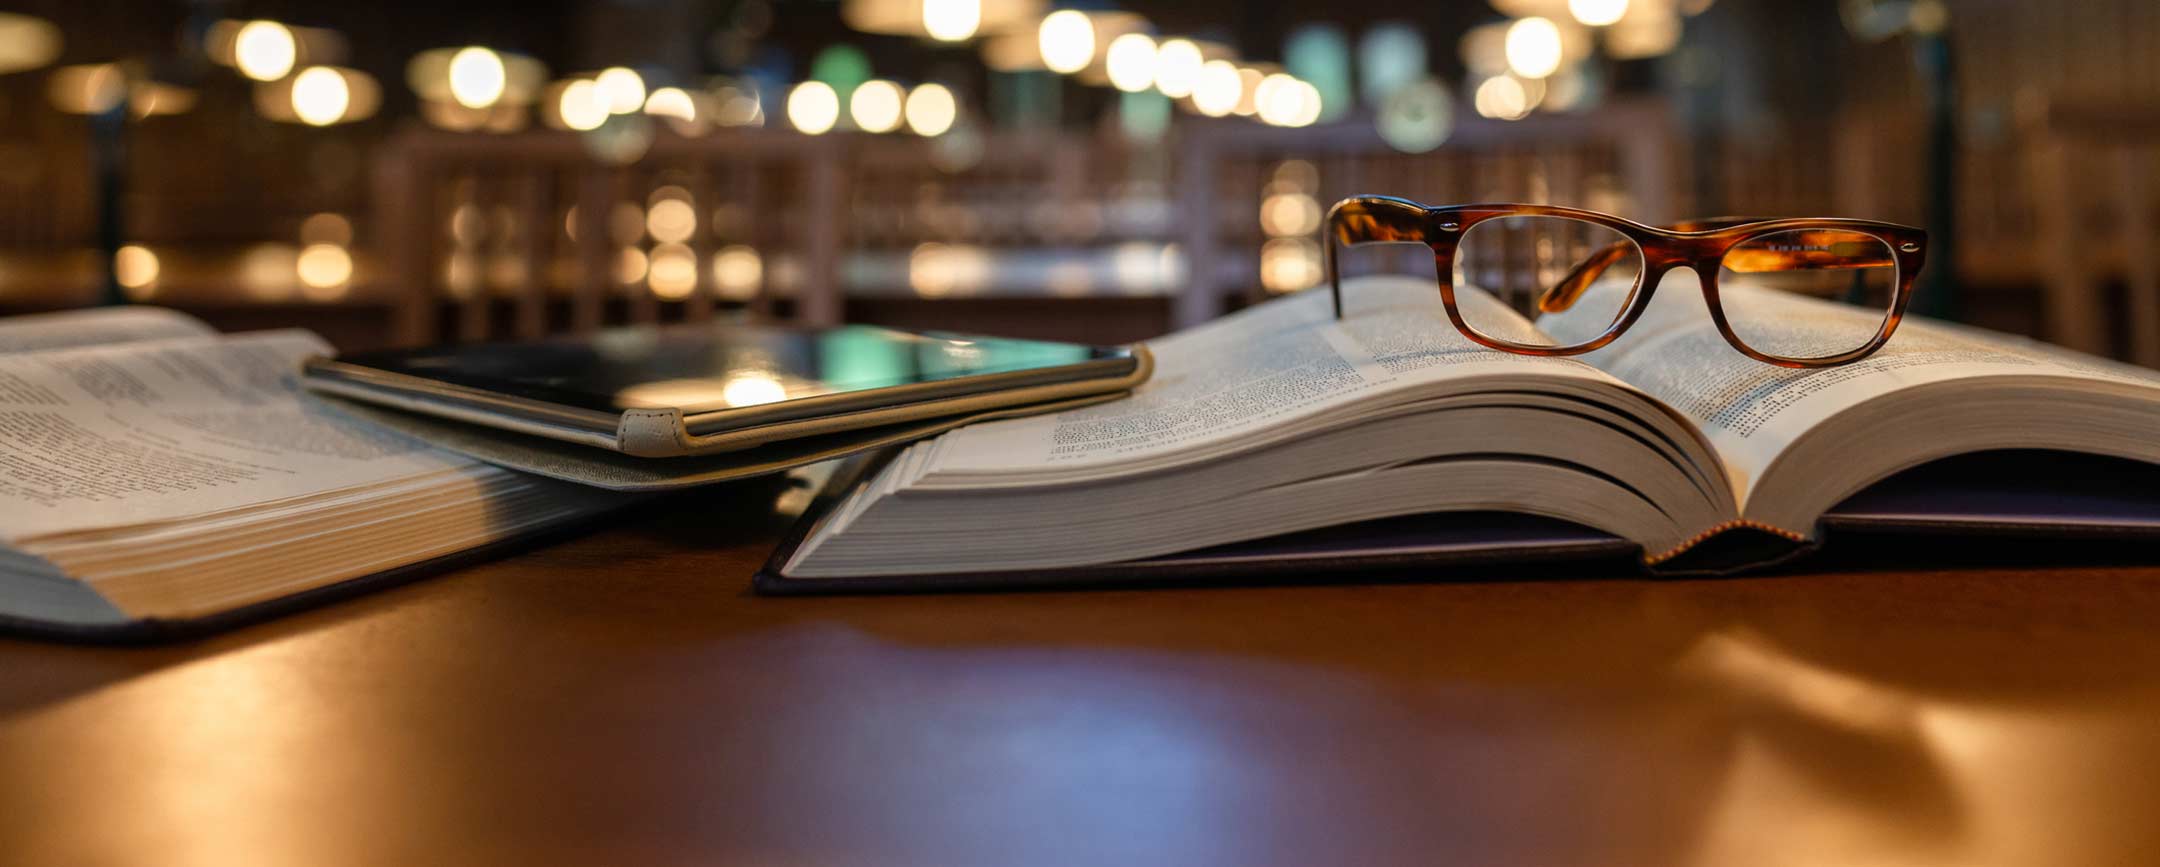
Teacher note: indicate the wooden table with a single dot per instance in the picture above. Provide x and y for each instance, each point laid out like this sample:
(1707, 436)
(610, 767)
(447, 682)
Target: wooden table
(620, 698)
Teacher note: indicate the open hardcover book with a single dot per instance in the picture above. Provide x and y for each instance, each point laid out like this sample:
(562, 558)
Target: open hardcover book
(1280, 420)
(153, 471)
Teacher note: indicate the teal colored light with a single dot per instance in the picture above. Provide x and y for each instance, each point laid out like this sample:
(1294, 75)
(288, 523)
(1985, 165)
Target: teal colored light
(863, 358)
(1390, 56)
(1144, 116)
(1027, 99)
(845, 67)
(1320, 54)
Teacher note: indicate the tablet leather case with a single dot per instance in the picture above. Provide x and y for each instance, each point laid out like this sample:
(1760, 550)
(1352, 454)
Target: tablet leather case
(616, 471)
(663, 432)
(2029, 507)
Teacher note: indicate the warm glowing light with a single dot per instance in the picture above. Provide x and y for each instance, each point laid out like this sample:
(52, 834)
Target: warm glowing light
(1533, 47)
(629, 266)
(1289, 264)
(1597, 13)
(326, 228)
(583, 108)
(813, 107)
(477, 77)
(324, 271)
(936, 270)
(622, 89)
(1217, 88)
(266, 272)
(1248, 91)
(673, 271)
(1130, 62)
(751, 389)
(1501, 97)
(931, 109)
(135, 267)
(1067, 41)
(876, 105)
(1642, 35)
(1289, 214)
(951, 20)
(91, 88)
(736, 271)
(1283, 100)
(671, 220)
(1177, 68)
(265, 50)
(320, 96)
(27, 42)
(671, 102)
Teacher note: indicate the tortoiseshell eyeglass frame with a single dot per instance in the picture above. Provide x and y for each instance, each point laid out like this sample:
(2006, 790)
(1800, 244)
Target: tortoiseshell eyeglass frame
(1700, 245)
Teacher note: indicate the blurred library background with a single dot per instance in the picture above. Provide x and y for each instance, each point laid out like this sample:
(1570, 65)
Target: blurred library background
(402, 172)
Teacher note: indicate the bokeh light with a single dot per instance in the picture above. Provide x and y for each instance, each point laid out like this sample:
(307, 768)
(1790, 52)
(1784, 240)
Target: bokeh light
(672, 273)
(1283, 100)
(265, 50)
(1217, 87)
(90, 88)
(1319, 55)
(671, 102)
(622, 89)
(326, 228)
(1391, 55)
(876, 106)
(813, 107)
(320, 96)
(136, 268)
(581, 106)
(477, 77)
(931, 109)
(1533, 47)
(671, 220)
(325, 271)
(1418, 118)
(27, 42)
(951, 20)
(1597, 13)
(1501, 97)
(1177, 67)
(1289, 264)
(737, 271)
(1067, 41)
(1289, 214)
(1130, 62)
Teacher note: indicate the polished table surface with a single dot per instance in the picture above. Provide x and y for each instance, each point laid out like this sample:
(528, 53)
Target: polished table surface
(620, 697)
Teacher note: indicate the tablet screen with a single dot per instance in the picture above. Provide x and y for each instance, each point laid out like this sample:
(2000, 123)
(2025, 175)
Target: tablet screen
(704, 367)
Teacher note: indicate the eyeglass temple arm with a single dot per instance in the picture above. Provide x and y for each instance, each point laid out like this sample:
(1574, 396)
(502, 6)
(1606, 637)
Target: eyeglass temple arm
(1753, 259)
(1367, 220)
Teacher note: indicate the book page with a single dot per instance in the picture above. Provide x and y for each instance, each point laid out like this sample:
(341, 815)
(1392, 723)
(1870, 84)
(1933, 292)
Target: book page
(96, 326)
(1258, 368)
(119, 435)
(1751, 410)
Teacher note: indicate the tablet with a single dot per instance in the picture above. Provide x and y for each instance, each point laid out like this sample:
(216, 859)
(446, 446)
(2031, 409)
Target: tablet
(693, 389)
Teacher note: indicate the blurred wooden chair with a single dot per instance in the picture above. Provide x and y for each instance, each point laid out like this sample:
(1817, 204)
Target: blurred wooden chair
(2091, 167)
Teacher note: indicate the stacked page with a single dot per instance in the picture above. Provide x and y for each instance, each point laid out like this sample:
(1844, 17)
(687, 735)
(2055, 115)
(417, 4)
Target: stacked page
(1280, 419)
(153, 470)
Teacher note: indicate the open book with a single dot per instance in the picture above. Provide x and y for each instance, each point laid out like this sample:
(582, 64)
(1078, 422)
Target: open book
(152, 471)
(1279, 419)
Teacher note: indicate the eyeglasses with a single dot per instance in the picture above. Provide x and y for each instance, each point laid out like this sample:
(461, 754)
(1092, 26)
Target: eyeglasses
(1813, 292)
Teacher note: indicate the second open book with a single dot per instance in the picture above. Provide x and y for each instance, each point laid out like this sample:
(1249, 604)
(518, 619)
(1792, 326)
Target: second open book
(1280, 419)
